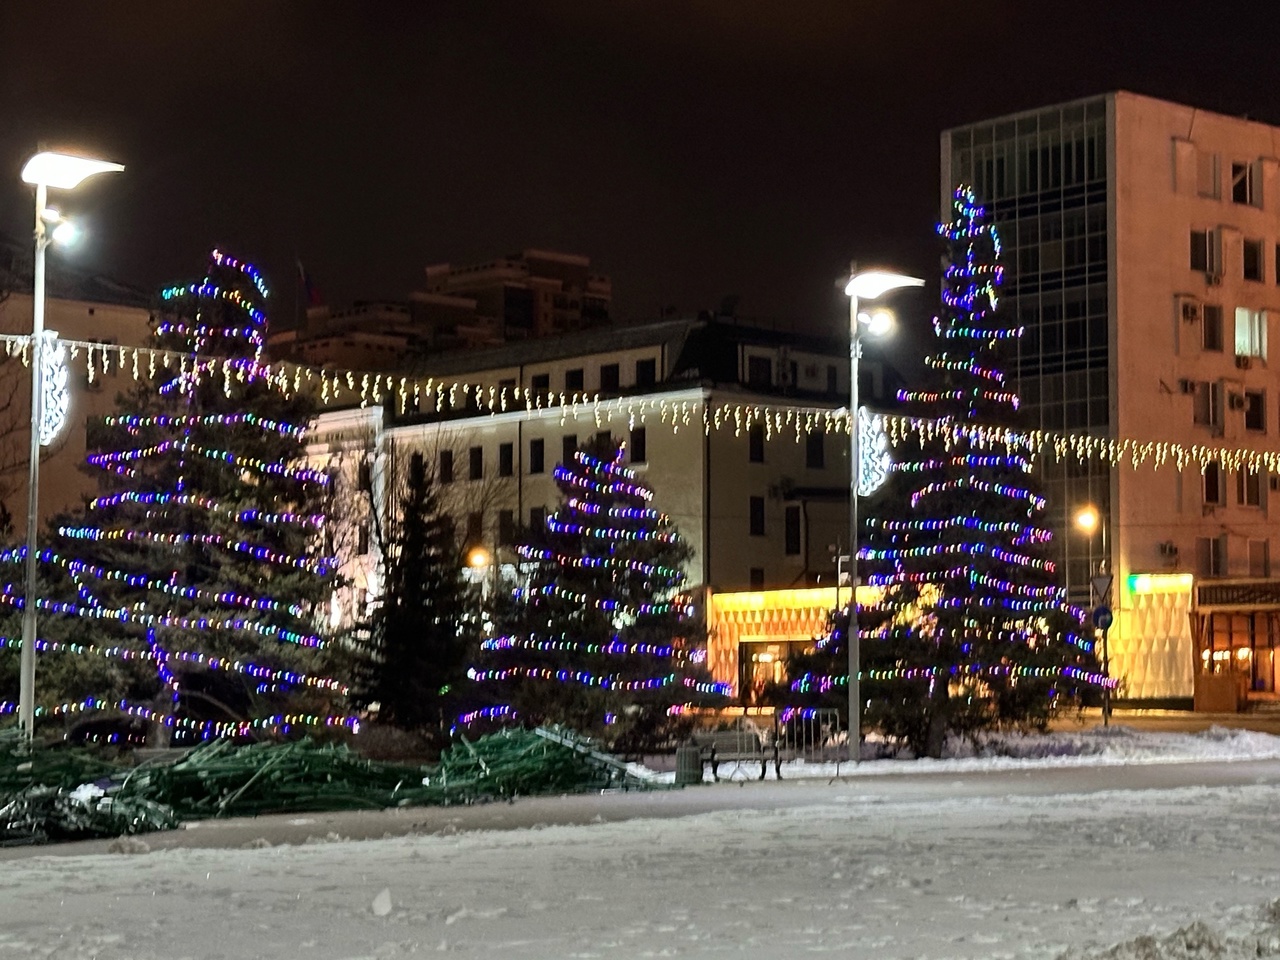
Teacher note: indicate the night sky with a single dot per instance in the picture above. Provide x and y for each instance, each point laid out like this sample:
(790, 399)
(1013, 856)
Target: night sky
(692, 149)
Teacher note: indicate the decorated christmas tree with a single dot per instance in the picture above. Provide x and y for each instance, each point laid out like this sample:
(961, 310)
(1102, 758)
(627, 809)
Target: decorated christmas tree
(602, 637)
(192, 590)
(974, 630)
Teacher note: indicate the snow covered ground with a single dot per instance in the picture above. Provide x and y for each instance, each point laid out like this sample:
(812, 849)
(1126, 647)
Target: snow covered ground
(1181, 872)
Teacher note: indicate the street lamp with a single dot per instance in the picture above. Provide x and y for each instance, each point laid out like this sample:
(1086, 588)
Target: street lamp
(58, 171)
(1087, 520)
(862, 285)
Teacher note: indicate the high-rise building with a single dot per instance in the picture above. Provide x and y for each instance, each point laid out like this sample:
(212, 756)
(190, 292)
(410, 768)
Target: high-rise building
(1142, 247)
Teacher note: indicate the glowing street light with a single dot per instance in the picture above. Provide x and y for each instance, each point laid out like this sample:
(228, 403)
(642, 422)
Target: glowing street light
(59, 171)
(862, 285)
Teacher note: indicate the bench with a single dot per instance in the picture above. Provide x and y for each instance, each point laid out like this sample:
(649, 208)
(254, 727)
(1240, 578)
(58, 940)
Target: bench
(735, 746)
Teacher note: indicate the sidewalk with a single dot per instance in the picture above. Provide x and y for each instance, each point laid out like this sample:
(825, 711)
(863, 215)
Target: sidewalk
(1170, 721)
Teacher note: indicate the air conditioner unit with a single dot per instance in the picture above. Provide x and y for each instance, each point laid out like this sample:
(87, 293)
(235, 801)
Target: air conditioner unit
(1186, 386)
(1243, 363)
(1213, 279)
(1168, 549)
(1190, 311)
(1235, 401)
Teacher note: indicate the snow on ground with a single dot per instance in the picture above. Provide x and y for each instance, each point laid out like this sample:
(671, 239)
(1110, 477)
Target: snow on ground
(1130, 875)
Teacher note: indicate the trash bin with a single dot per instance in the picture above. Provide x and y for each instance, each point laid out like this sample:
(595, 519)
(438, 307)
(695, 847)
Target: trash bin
(688, 764)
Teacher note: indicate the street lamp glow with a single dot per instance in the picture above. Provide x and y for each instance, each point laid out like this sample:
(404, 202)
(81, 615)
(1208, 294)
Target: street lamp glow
(873, 284)
(62, 171)
(1087, 519)
(878, 322)
(65, 233)
(478, 557)
(59, 171)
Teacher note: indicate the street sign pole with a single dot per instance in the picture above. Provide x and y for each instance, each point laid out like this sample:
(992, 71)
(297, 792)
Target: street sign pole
(1102, 621)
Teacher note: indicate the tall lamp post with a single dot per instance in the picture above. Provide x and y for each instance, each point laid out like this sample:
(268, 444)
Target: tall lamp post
(862, 285)
(58, 171)
(1088, 520)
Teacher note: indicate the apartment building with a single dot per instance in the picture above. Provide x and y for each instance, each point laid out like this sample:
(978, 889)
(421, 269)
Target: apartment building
(762, 510)
(1142, 243)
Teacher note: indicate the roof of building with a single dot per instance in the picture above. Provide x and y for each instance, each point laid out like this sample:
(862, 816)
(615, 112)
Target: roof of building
(65, 282)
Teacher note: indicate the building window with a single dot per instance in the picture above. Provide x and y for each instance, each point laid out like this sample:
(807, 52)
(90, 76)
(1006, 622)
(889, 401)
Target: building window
(446, 466)
(365, 476)
(760, 373)
(1207, 174)
(476, 471)
(506, 459)
(1200, 250)
(755, 578)
(793, 531)
(639, 446)
(815, 450)
(362, 545)
(1259, 558)
(1253, 260)
(755, 443)
(506, 383)
(568, 447)
(604, 442)
(537, 518)
(646, 372)
(573, 380)
(1251, 333)
(1255, 410)
(756, 524)
(475, 527)
(1212, 326)
(1214, 492)
(537, 455)
(1249, 488)
(1242, 187)
(540, 383)
(1211, 556)
(506, 527)
(1207, 409)
(610, 378)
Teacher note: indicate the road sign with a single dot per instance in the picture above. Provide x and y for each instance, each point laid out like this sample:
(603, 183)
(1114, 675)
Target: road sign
(1102, 588)
(1102, 617)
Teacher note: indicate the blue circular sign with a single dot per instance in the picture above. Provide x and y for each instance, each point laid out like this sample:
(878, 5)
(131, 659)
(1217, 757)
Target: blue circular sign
(1102, 617)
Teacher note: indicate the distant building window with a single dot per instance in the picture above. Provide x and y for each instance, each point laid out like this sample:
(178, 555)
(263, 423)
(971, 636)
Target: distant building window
(646, 372)
(573, 380)
(507, 382)
(1207, 174)
(1211, 556)
(537, 518)
(1259, 558)
(475, 527)
(1202, 258)
(446, 466)
(1255, 410)
(1249, 488)
(760, 373)
(1212, 326)
(638, 446)
(604, 442)
(506, 527)
(568, 447)
(506, 459)
(1242, 185)
(755, 578)
(365, 476)
(1214, 491)
(1253, 260)
(755, 443)
(1251, 333)
(537, 455)
(756, 517)
(610, 378)
(540, 383)
(362, 545)
(793, 531)
(815, 450)
(1207, 404)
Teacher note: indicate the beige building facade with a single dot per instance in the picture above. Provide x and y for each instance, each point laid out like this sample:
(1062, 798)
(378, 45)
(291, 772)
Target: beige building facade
(1142, 243)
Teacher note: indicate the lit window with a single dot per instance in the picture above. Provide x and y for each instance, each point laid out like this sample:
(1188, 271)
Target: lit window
(1251, 333)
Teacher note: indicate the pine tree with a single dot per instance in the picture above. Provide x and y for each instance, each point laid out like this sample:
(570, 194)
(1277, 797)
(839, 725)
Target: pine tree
(193, 585)
(974, 632)
(425, 625)
(602, 638)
